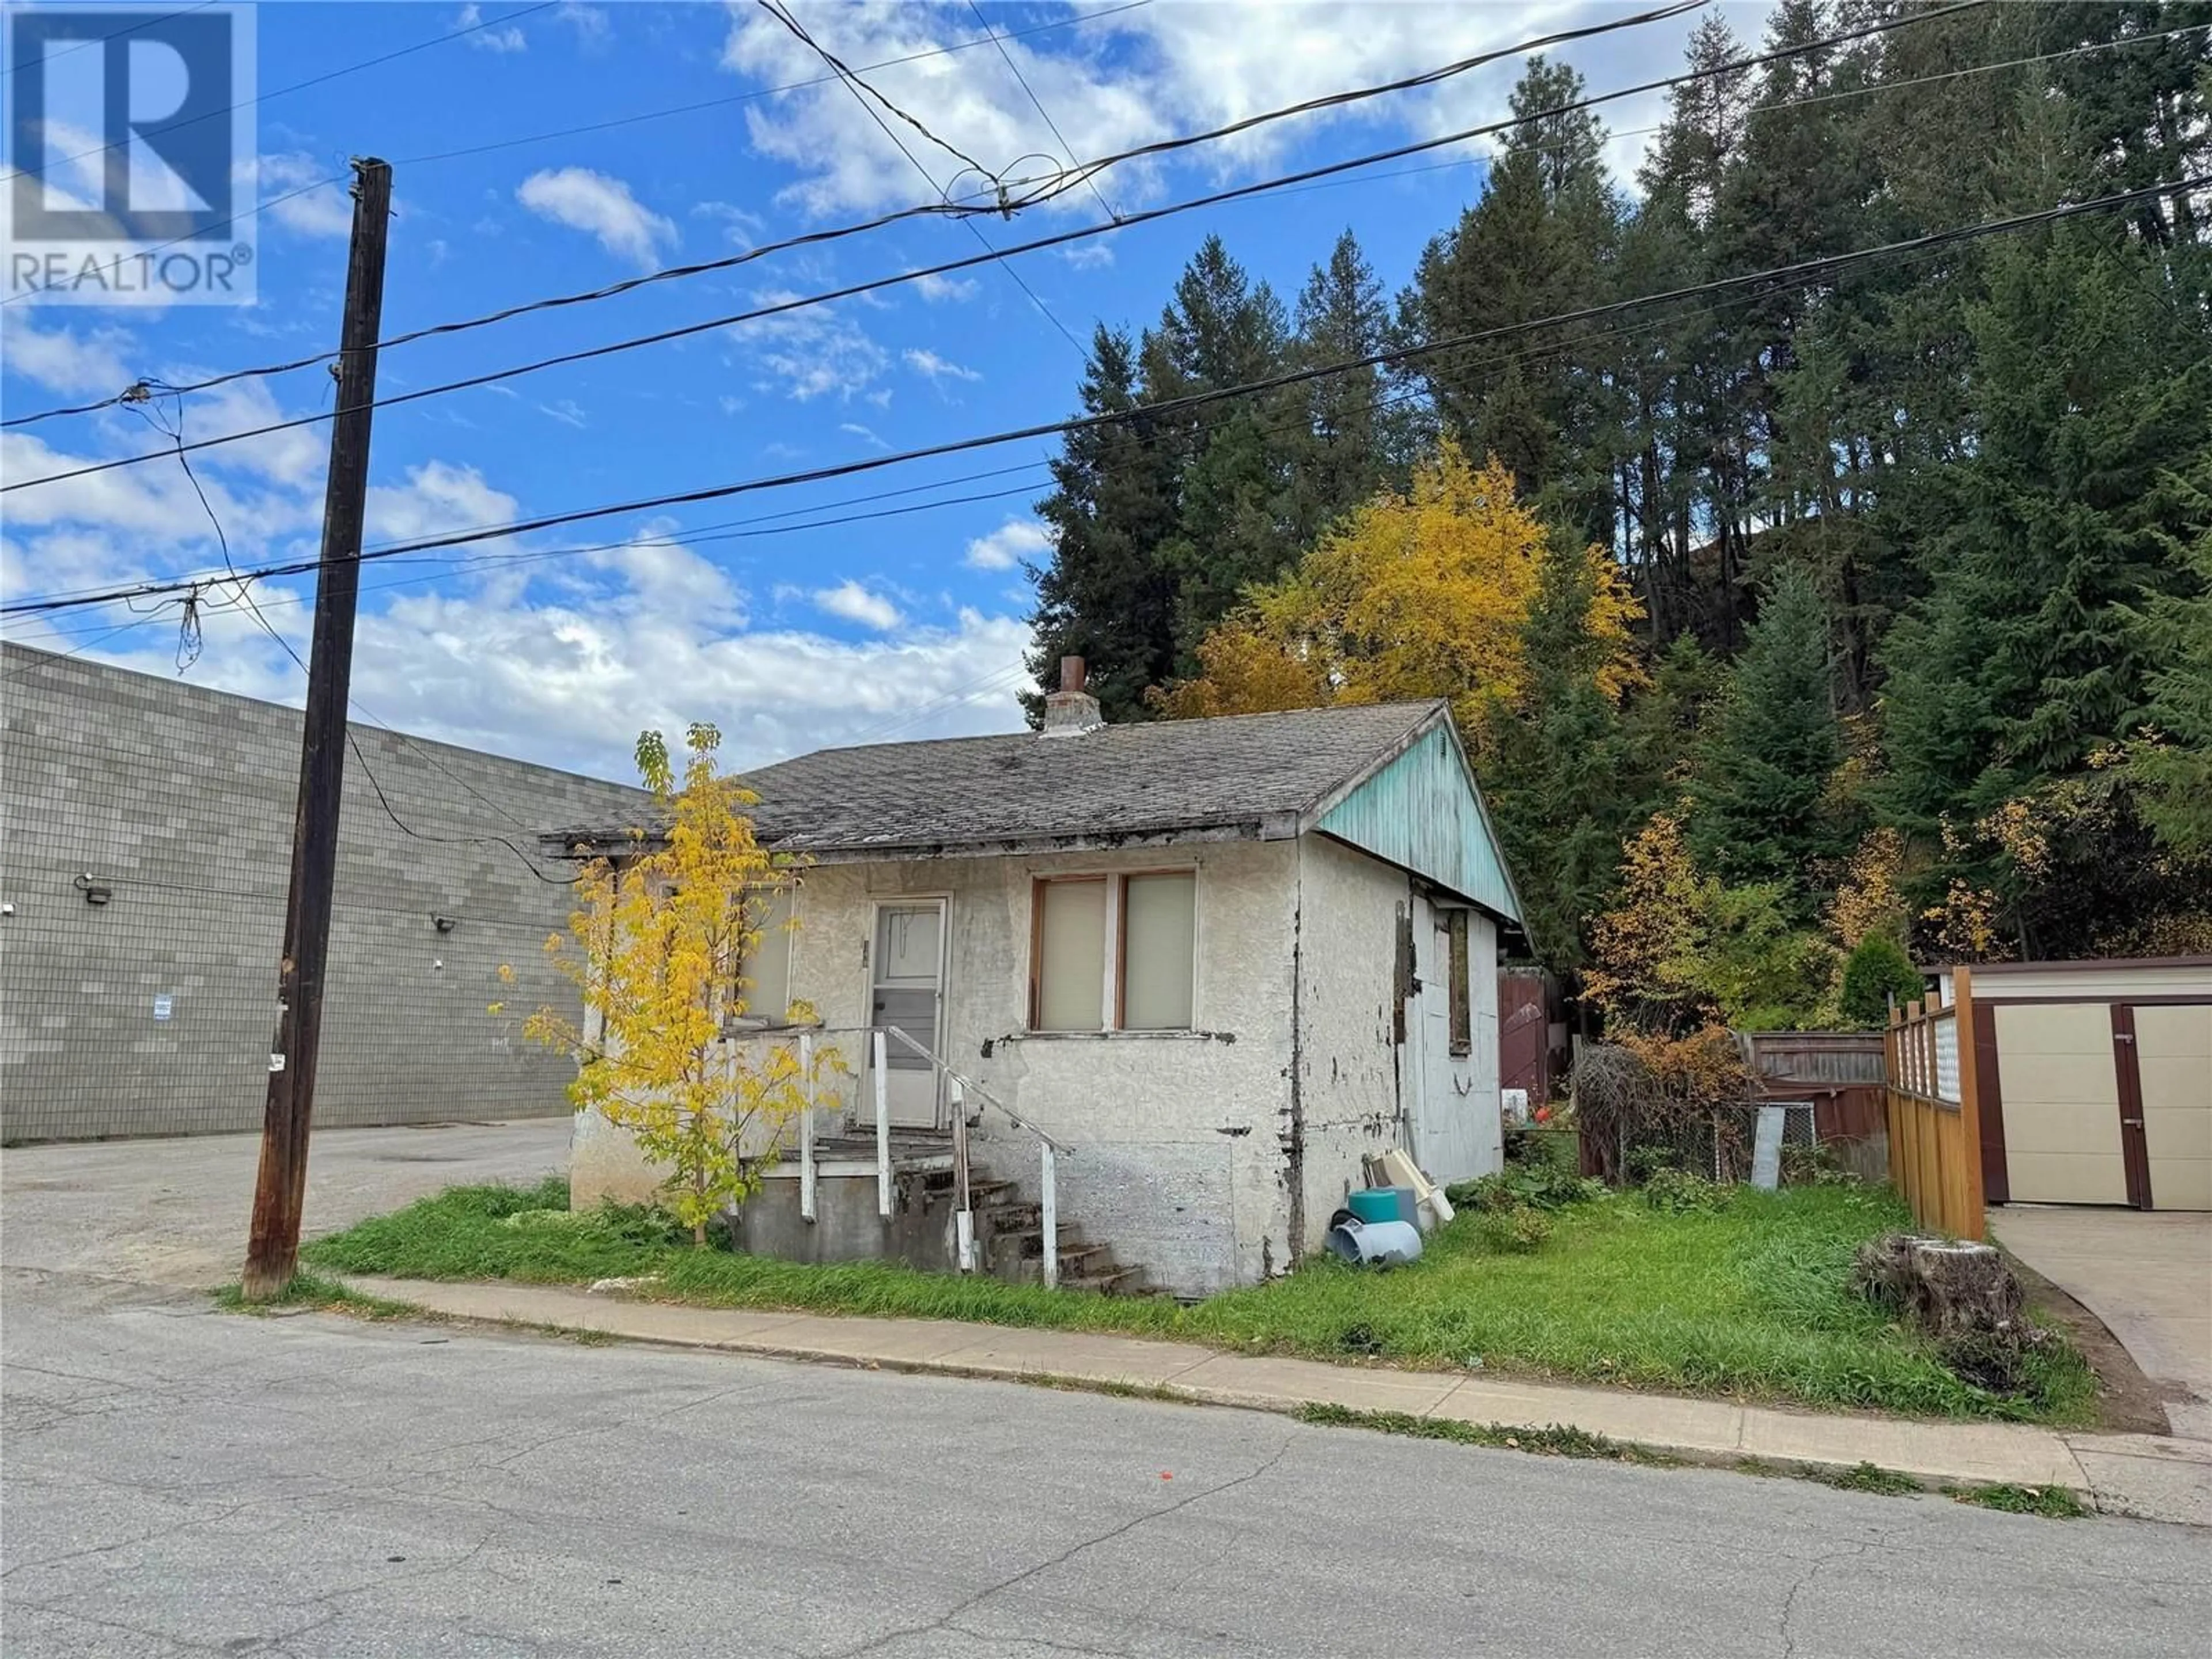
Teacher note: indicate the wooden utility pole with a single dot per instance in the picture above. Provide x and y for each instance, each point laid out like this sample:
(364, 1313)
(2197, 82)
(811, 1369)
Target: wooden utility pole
(272, 1252)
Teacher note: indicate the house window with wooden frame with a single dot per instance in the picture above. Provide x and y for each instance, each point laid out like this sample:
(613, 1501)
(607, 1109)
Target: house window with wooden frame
(1114, 952)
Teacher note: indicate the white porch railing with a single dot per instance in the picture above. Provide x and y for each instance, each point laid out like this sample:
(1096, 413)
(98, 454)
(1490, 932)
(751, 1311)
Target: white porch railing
(959, 1087)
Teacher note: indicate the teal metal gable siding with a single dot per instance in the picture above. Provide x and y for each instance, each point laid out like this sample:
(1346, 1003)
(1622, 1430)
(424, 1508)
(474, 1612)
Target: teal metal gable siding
(1421, 812)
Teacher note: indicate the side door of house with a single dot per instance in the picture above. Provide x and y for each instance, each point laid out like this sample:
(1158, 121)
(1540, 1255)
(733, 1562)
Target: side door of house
(906, 990)
(1448, 1138)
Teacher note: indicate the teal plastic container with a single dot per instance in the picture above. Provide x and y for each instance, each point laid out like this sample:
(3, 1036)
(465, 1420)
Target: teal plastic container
(1374, 1204)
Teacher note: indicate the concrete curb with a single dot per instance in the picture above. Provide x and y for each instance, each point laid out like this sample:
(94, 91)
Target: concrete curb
(2136, 1475)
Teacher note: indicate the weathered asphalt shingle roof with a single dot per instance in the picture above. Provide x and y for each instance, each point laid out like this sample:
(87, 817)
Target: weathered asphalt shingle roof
(1243, 774)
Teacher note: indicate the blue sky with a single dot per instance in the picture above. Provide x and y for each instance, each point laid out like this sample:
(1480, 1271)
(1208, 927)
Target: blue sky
(903, 626)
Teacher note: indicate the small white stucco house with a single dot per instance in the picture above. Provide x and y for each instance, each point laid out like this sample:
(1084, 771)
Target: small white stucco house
(1216, 963)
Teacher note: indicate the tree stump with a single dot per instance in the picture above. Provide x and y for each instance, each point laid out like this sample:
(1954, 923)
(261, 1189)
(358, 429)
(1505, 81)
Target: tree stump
(1943, 1287)
(1964, 1288)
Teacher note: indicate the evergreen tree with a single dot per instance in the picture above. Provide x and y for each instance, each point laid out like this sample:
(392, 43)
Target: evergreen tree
(1354, 432)
(1538, 243)
(1761, 807)
(1552, 762)
(1105, 594)
(1232, 459)
(2171, 768)
(2090, 383)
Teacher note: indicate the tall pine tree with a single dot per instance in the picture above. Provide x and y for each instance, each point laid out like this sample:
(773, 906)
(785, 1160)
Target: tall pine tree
(1762, 810)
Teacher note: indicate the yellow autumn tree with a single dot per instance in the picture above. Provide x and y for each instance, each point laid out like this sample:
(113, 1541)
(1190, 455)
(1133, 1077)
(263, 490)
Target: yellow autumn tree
(1422, 594)
(658, 947)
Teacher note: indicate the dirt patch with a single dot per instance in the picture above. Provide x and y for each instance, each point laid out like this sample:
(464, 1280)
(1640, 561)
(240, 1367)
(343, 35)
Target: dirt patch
(2128, 1402)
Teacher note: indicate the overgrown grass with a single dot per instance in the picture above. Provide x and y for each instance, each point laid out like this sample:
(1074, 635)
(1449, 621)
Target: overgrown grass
(1749, 1300)
(2052, 1503)
(1556, 1440)
(313, 1291)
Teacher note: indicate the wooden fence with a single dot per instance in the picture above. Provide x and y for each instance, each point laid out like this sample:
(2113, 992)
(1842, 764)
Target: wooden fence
(1935, 1129)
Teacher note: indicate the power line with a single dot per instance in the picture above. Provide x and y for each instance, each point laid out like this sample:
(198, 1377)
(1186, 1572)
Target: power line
(1067, 149)
(589, 127)
(1866, 91)
(1058, 184)
(852, 290)
(1825, 265)
(128, 28)
(865, 92)
(245, 597)
(759, 93)
(297, 86)
(409, 553)
(862, 92)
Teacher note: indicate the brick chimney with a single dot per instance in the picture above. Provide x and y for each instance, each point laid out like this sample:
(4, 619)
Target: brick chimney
(1071, 711)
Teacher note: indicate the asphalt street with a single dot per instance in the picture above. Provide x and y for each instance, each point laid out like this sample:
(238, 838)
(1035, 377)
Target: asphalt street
(179, 1480)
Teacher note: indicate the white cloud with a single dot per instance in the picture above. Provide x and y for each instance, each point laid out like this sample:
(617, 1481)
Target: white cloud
(1017, 542)
(602, 205)
(1088, 256)
(926, 362)
(567, 410)
(62, 360)
(561, 660)
(866, 435)
(438, 497)
(938, 290)
(504, 39)
(856, 604)
(740, 228)
(591, 23)
(817, 352)
(325, 211)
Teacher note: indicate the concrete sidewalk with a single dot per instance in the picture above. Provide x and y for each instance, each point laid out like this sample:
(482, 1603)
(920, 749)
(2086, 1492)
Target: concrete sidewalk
(2131, 1474)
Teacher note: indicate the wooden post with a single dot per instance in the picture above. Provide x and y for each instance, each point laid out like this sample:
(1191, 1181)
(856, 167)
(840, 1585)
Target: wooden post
(1975, 1222)
(280, 1187)
(806, 1170)
(883, 1129)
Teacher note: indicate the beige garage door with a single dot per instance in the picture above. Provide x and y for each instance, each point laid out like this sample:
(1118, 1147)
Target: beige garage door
(2061, 1103)
(2174, 1049)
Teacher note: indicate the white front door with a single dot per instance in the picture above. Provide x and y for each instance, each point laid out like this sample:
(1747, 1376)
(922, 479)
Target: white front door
(908, 991)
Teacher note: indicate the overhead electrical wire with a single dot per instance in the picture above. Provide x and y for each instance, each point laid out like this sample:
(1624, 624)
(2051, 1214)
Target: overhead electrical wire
(1823, 266)
(865, 94)
(1066, 150)
(191, 632)
(102, 40)
(165, 127)
(666, 112)
(1058, 184)
(1078, 21)
(876, 284)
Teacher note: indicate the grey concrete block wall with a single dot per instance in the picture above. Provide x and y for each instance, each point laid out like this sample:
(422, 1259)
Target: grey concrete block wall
(180, 801)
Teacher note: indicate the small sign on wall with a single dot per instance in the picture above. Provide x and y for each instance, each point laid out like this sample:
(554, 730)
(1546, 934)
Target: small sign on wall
(164, 1005)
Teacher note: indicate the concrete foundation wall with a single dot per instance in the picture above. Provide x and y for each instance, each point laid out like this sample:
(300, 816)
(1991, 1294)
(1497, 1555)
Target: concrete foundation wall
(180, 801)
(848, 1225)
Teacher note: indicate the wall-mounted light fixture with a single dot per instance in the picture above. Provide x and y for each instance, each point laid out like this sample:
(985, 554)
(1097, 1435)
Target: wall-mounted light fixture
(95, 892)
(443, 924)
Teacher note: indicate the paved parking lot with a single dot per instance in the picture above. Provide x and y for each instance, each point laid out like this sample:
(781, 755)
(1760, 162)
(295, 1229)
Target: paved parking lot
(174, 1212)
